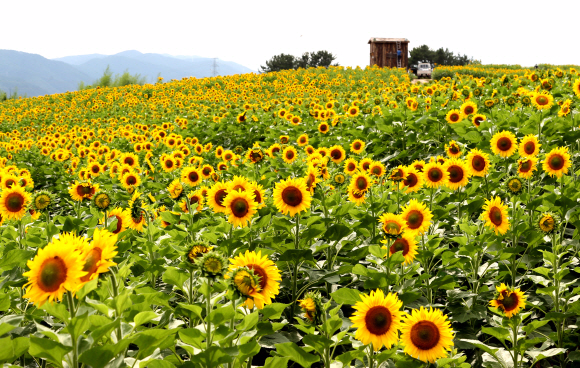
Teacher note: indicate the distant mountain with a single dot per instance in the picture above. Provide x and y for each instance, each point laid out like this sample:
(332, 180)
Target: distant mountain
(34, 75)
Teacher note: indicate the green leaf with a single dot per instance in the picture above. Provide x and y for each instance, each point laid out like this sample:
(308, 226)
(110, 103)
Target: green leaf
(276, 362)
(58, 310)
(337, 232)
(531, 326)
(144, 317)
(5, 328)
(296, 255)
(4, 303)
(104, 330)
(249, 321)
(346, 296)
(15, 258)
(49, 350)
(488, 349)
(192, 336)
(296, 354)
(12, 349)
(175, 277)
(499, 333)
(78, 325)
(274, 310)
(100, 356)
(157, 363)
(539, 355)
(248, 350)
(221, 314)
(318, 342)
(349, 356)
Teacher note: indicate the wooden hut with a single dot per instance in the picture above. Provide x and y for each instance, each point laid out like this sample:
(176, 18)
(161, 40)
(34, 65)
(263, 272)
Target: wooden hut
(384, 52)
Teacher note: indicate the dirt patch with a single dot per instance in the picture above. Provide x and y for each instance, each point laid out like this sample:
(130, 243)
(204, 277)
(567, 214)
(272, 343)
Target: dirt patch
(422, 80)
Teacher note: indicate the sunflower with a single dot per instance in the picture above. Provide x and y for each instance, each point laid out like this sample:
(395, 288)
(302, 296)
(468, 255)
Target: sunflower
(453, 150)
(130, 159)
(43, 200)
(56, 268)
(557, 162)
(508, 300)
(311, 305)
(435, 175)
(548, 222)
(357, 146)
(207, 171)
(175, 189)
(259, 194)
(228, 155)
(458, 174)
(98, 255)
(377, 169)
(454, 116)
(216, 195)
(130, 180)
(542, 100)
(122, 217)
(529, 146)
(14, 203)
(495, 215)
(284, 139)
(350, 166)
(240, 207)
(337, 154)
(136, 215)
(514, 185)
(102, 201)
(8, 181)
(477, 162)
(477, 119)
(212, 265)
(289, 154)
(238, 183)
(406, 244)
(361, 182)
(393, 225)
(266, 270)
(302, 140)
(323, 127)
(195, 199)
(418, 165)
(377, 319)
(417, 217)
(426, 334)
(576, 88)
(526, 167)
(196, 250)
(504, 144)
(468, 108)
(291, 196)
(356, 197)
(95, 169)
(255, 154)
(191, 176)
(365, 164)
(79, 191)
(246, 283)
(398, 174)
(413, 182)
(168, 163)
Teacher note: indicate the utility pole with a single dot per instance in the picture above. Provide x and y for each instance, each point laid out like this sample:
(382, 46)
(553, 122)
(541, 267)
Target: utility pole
(214, 67)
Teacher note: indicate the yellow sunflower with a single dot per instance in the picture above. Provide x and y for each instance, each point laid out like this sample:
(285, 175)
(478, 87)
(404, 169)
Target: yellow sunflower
(191, 176)
(426, 334)
(406, 243)
(238, 183)
(529, 146)
(323, 127)
(130, 180)
(468, 108)
(302, 140)
(504, 144)
(14, 203)
(350, 166)
(168, 163)
(57, 268)
(417, 217)
(357, 146)
(98, 255)
(495, 215)
(266, 270)
(509, 301)
(477, 162)
(453, 150)
(435, 175)
(377, 169)
(240, 207)
(526, 167)
(377, 319)
(393, 225)
(289, 154)
(83, 190)
(291, 196)
(542, 100)
(259, 194)
(337, 154)
(413, 182)
(458, 173)
(361, 182)
(576, 88)
(557, 162)
(216, 195)
(122, 217)
(478, 119)
(175, 189)
(454, 116)
(365, 164)
(195, 199)
(207, 171)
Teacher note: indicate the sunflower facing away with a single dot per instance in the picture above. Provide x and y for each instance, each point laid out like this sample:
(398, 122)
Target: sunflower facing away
(504, 144)
(14, 202)
(266, 270)
(495, 215)
(393, 225)
(509, 301)
(240, 207)
(557, 162)
(377, 319)
(58, 267)
(291, 196)
(417, 216)
(426, 334)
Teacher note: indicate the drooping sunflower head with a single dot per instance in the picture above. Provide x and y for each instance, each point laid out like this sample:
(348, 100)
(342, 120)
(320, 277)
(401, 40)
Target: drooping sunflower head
(311, 305)
(196, 250)
(514, 185)
(393, 225)
(426, 334)
(377, 318)
(548, 222)
(102, 201)
(14, 203)
(212, 264)
(509, 301)
(43, 200)
(175, 189)
(557, 162)
(504, 144)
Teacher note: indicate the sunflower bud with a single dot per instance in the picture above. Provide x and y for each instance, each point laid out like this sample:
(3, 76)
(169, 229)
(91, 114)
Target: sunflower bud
(548, 222)
(211, 265)
(43, 200)
(514, 185)
(312, 307)
(102, 201)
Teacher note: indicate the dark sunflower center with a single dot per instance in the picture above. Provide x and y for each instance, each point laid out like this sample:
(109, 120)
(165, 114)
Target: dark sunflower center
(525, 166)
(240, 207)
(351, 167)
(14, 202)
(96, 169)
(219, 197)
(292, 196)
(131, 180)
(414, 219)
(435, 175)
(510, 301)
(357, 146)
(529, 147)
(169, 164)
(358, 195)
(323, 128)
(425, 335)
(238, 188)
(259, 271)
(52, 274)
(556, 162)
(515, 185)
(454, 117)
(478, 163)
(361, 183)
(378, 320)
(495, 216)
(454, 149)
(119, 225)
(411, 180)
(206, 171)
(400, 245)
(541, 100)
(10, 183)
(455, 174)
(504, 144)
(91, 263)
(258, 197)
(392, 228)
(193, 176)
(335, 154)
(289, 155)
(129, 161)
(468, 110)
(478, 120)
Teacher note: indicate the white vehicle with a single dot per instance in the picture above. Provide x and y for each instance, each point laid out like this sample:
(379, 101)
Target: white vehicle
(424, 70)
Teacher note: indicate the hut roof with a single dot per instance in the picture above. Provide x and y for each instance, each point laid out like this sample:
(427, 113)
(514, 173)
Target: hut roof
(385, 40)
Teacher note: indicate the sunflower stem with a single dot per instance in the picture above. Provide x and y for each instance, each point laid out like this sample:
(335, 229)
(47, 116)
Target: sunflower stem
(371, 359)
(515, 343)
(71, 307)
(115, 287)
(486, 187)
(208, 312)
(515, 239)
(47, 226)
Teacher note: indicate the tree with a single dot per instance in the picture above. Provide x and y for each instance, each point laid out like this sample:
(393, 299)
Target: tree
(307, 60)
(423, 54)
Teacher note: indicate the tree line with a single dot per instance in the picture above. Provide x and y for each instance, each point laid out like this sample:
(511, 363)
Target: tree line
(307, 60)
(423, 54)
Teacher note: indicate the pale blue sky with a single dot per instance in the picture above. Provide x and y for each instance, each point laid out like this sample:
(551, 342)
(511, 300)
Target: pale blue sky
(250, 32)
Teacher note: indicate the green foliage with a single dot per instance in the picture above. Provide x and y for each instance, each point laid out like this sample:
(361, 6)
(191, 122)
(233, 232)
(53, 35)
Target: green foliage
(306, 60)
(436, 57)
(108, 80)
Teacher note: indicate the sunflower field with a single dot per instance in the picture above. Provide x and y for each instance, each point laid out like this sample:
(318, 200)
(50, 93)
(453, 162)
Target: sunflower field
(332, 217)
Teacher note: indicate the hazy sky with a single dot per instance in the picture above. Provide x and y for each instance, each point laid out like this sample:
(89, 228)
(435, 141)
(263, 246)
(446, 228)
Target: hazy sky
(250, 32)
